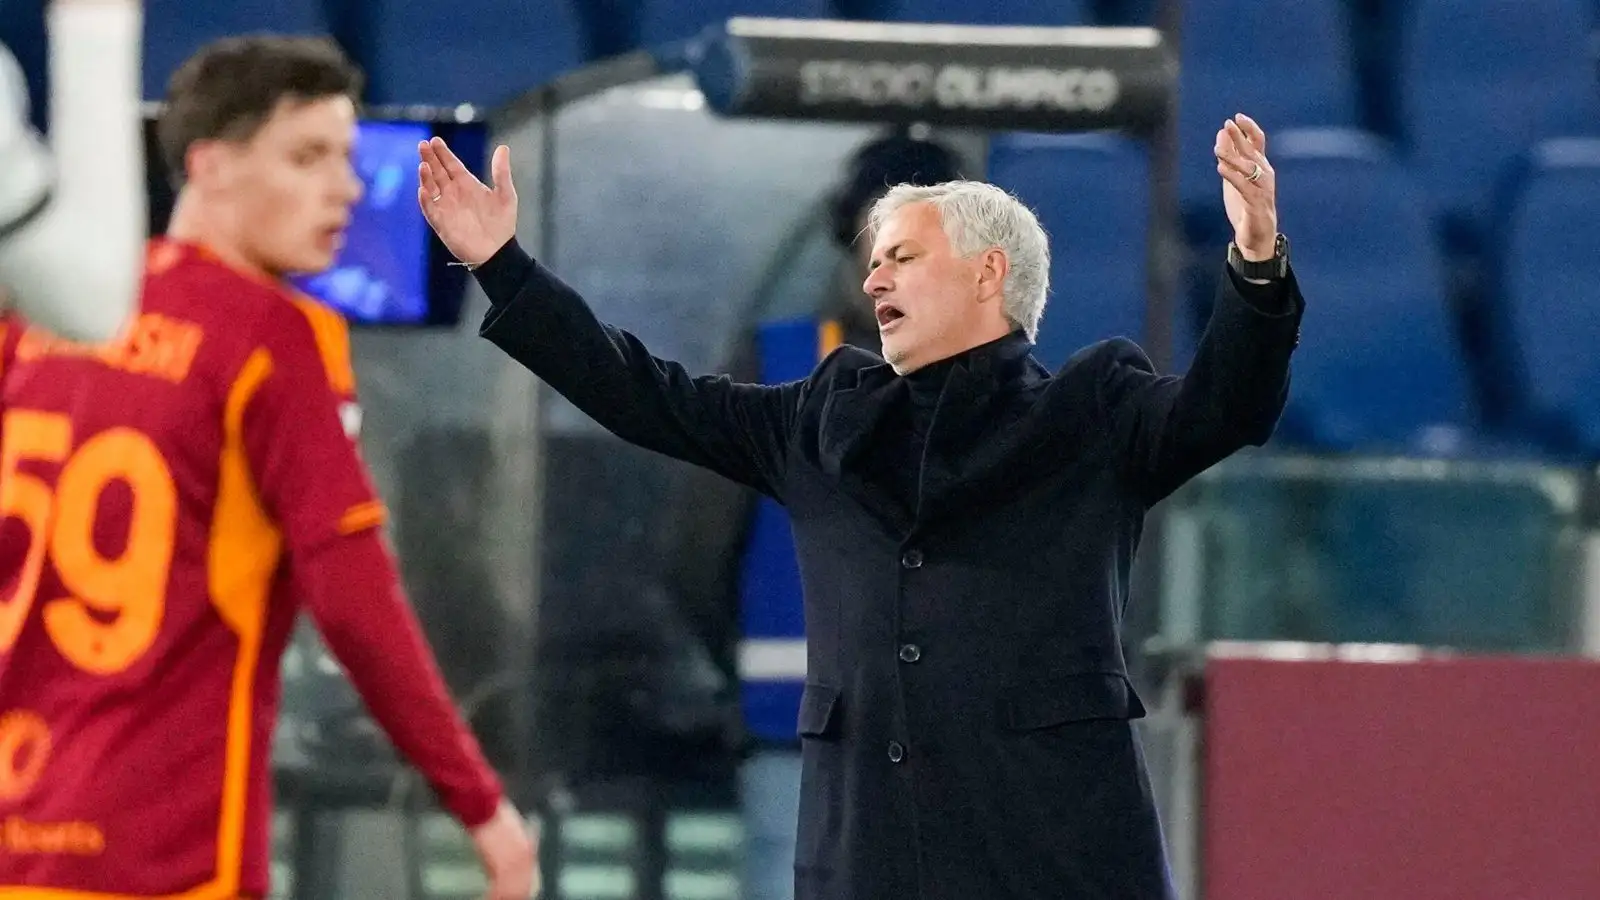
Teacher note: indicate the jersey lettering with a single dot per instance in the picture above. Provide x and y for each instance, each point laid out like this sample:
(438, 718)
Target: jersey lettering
(112, 614)
(153, 345)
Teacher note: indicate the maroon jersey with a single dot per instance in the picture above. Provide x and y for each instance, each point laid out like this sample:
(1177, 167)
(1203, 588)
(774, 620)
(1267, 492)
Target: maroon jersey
(156, 494)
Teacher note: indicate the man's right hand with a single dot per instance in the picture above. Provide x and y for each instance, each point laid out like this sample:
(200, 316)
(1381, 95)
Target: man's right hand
(510, 855)
(471, 218)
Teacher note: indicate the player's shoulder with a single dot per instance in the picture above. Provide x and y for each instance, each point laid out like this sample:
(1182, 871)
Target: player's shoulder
(189, 280)
(329, 333)
(303, 333)
(260, 313)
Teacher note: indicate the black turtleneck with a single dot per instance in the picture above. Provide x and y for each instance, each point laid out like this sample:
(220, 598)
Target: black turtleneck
(896, 463)
(925, 385)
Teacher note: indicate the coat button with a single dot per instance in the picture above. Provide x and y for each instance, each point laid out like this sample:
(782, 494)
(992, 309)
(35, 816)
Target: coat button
(912, 559)
(910, 653)
(897, 751)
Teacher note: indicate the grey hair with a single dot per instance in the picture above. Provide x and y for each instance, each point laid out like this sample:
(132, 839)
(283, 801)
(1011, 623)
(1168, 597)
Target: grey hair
(979, 217)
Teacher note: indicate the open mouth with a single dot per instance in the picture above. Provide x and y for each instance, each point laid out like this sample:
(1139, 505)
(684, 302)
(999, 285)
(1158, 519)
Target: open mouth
(888, 314)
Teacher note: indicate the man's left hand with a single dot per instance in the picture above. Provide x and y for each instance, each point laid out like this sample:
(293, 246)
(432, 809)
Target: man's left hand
(1249, 187)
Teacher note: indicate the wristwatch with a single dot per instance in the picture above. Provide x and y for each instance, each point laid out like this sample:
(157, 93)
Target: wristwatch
(1268, 269)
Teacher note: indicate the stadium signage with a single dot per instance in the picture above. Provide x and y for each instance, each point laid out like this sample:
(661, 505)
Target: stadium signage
(957, 86)
(1044, 79)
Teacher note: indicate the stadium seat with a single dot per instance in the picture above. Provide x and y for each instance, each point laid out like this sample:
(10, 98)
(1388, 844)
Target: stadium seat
(672, 20)
(1379, 366)
(1092, 194)
(995, 12)
(487, 52)
(1549, 272)
(1284, 63)
(1127, 12)
(1482, 80)
(173, 30)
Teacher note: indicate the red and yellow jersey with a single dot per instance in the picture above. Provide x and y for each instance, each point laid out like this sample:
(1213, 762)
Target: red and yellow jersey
(151, 491)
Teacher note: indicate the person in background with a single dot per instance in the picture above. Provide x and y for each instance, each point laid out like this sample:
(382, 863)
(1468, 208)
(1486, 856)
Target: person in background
(896, 158)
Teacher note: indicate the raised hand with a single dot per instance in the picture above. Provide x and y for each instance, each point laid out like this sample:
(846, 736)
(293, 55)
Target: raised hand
(1249, 187)
(471, 218)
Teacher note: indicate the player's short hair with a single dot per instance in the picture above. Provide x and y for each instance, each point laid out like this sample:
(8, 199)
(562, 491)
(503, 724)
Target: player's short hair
(230, 87)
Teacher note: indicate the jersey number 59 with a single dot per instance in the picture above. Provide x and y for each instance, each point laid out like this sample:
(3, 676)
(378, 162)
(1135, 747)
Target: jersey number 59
(112, 611)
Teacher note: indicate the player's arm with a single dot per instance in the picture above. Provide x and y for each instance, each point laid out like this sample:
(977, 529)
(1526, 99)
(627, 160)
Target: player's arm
(314, 485)
(308, 472)
(73, 213)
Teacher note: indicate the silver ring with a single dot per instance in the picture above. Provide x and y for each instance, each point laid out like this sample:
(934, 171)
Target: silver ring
(1254, 176)
(438, 197)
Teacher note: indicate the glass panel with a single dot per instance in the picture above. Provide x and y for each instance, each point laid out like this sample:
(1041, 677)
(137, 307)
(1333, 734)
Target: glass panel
(1475, 556)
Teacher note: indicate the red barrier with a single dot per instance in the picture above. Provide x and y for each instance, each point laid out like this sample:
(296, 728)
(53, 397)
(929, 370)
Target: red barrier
(1439, 779)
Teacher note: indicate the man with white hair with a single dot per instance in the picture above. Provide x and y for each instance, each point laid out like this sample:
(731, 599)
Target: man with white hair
(965, 522)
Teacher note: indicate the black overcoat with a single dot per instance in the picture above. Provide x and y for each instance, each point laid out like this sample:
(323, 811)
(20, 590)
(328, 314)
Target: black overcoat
(966, 721)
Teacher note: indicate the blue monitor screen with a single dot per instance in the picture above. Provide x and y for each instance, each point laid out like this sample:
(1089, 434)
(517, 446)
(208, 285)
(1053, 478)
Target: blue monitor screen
(391, 271)
(383, 272)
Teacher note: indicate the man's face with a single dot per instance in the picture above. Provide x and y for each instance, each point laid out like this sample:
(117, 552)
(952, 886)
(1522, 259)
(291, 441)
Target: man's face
(930, 303)
(291, 186)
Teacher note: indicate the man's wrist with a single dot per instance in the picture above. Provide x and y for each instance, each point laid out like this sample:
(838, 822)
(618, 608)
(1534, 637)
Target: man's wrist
(1258, 252)
(1257, 266)
(472, 261)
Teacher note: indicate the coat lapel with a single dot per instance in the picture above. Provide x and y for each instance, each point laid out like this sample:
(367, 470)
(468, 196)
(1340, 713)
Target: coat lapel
(978, 420)
(850, 418)
(981, 418)
(852, 412)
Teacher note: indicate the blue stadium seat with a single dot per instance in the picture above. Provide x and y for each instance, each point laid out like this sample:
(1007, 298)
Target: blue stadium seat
(1128, 12)
(1482, 80)
(671, 20)
(1284, 63)
(174, 29)
(994, 12)
(1092, 194)
(486, 52)
(1379, 366)
(1549, 265)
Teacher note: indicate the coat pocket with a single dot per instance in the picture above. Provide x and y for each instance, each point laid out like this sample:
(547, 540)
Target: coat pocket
(1070, 698)
(819, 711)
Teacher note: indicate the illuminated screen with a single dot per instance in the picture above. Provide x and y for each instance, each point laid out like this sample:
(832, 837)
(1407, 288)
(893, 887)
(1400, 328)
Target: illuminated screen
(391, 270)
(381, 274)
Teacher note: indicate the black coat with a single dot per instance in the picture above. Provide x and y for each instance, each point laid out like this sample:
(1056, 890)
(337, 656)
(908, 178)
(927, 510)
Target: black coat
(967, 714)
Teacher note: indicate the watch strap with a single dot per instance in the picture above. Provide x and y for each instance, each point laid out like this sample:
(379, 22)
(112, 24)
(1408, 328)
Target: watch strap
(1270, 269)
